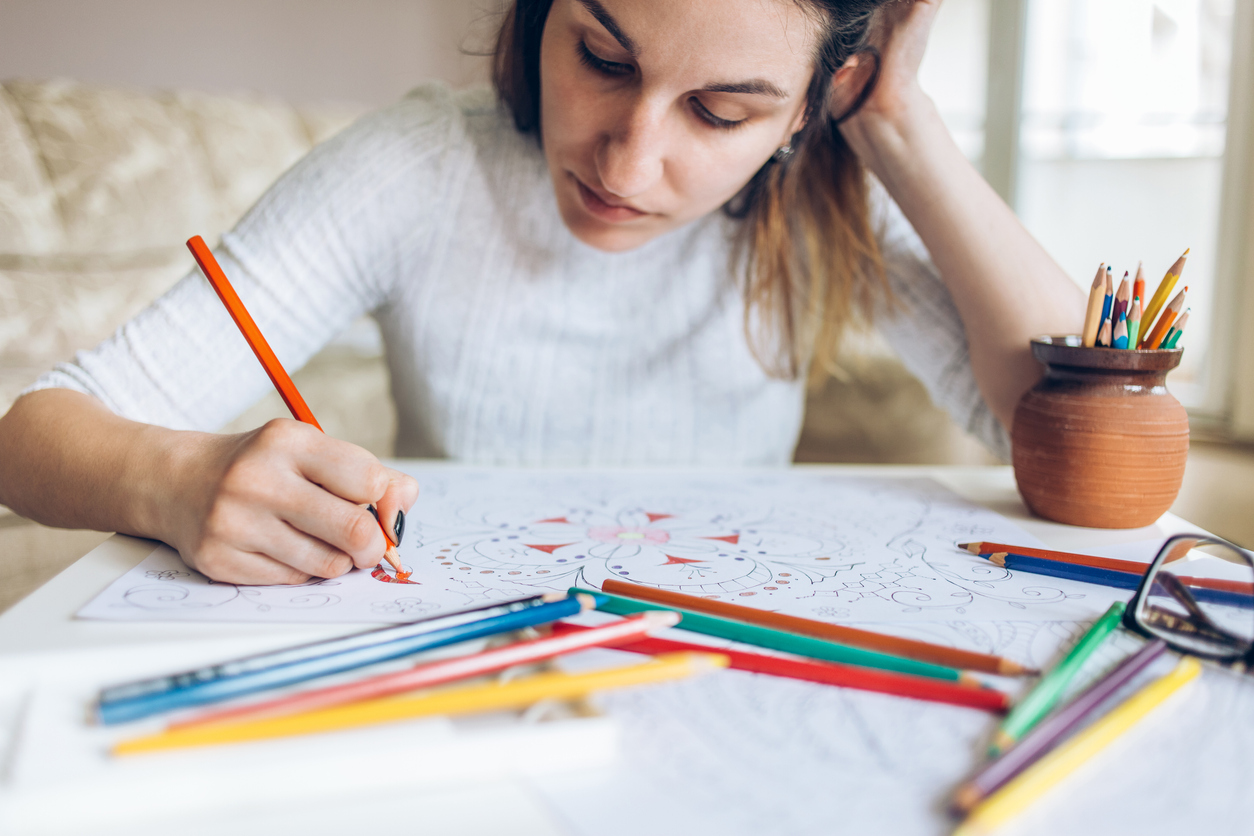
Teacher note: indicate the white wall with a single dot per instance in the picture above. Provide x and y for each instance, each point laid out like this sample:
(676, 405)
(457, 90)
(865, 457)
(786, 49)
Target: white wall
(364, 52)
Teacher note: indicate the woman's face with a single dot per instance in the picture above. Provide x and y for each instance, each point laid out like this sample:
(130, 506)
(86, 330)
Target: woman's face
(656, 112)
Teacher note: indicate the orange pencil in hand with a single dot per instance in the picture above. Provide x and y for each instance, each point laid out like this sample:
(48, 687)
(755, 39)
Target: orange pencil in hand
(278, 375)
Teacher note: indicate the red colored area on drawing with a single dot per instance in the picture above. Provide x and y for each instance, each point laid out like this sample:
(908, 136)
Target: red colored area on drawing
(671, 560)
(549, 549)
(734, 539)
(655, 517)
(554, 520)
(381, 574)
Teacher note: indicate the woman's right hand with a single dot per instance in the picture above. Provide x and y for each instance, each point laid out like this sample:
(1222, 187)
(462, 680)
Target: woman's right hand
(278, 505)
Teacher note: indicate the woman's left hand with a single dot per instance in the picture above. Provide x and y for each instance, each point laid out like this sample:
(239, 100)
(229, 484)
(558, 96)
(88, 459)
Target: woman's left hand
(899, 31)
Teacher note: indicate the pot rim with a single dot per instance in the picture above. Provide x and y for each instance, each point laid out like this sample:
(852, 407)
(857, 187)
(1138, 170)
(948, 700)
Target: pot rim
(1068, 350)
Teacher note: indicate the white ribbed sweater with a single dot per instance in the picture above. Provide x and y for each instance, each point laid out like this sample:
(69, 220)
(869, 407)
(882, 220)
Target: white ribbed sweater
(508, 341)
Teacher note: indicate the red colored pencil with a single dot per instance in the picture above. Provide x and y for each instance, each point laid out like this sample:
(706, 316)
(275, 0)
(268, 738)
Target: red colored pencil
(1110, 563)
(442, 672)
(278, 375)
(828, 673)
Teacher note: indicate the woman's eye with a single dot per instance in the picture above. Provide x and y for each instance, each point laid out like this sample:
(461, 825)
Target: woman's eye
(594, 62)
(714, 121)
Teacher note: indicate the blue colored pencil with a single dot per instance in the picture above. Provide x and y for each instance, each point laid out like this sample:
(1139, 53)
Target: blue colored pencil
(1109, 301)
(1110, 577)
(188, 693)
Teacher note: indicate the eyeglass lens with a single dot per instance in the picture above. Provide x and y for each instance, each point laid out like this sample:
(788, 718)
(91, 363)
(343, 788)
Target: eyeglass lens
(1201, 599)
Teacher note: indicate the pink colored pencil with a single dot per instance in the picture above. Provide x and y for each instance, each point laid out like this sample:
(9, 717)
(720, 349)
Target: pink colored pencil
(439, 673)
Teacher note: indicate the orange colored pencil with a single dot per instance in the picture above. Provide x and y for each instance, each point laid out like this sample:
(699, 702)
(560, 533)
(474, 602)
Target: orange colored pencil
(828, 673)
(278, 375)
(1155, 338)
(1138, 284)
(992, 550)
(906, 648)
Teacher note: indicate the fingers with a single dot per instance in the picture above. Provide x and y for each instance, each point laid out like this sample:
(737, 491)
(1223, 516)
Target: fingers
(344, 469)
(342, 526)
(229, 565)
(401, 493)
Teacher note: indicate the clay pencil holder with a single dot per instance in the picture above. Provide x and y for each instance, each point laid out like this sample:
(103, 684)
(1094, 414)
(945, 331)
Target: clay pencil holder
(1099, 441)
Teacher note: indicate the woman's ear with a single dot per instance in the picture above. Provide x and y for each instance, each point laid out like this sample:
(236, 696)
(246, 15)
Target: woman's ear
(850, 83)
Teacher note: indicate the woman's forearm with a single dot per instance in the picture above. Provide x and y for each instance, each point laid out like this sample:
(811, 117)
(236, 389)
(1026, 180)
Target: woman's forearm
(1006, 287)
(66, 460)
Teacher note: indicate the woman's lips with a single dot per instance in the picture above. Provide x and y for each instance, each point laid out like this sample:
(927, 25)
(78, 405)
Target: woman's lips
(598, 208)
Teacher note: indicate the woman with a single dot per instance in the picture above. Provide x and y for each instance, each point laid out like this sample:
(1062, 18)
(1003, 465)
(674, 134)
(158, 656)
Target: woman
(634, 259)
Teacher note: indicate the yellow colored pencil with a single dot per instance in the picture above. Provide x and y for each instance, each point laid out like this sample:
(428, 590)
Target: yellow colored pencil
(467, 699)
(1093, 317)
(1043, 775)
(1159, 298)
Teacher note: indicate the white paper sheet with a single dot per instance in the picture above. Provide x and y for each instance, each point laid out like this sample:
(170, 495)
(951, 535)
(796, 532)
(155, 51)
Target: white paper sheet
(837, 548)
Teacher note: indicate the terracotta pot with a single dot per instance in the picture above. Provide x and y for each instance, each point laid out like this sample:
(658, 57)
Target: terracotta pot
(1099, 441)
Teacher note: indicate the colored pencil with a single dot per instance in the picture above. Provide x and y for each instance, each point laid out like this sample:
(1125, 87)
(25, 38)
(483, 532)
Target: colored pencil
(724, 628)
(255, 663)
(1155, 337)
(1104, 335)
(1108, 301)
(909, 648)
(990, 550)
(1054, 728)
(273, 677)
(1212, 590)
(1173, 338)
(467, 699)
(1093, 315)
(1041, 699)
(441, 672)
(277, 374)
(1160, 296)
(1121, 332)
(1134, 322)
(1138, 283)
(829, 673)
(1123, 296)
(1070, 756)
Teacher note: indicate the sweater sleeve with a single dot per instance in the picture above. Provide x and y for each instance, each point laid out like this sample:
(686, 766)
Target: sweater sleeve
(925, 330)
(328, 242)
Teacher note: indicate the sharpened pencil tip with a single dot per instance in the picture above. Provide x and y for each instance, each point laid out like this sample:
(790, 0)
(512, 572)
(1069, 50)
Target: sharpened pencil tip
(657, 619)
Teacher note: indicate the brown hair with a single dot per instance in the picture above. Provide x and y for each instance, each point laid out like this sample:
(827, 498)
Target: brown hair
(806, 252)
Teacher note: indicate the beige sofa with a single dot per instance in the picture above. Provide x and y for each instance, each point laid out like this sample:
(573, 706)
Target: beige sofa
(100, 187)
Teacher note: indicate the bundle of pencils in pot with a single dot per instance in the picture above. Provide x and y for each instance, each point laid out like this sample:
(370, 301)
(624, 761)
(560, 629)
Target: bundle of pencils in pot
(1122, 319)
(1099, 441)
(228, 702)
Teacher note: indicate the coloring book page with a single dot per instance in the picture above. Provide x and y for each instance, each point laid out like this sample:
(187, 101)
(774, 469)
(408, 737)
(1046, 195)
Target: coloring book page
(836, 548)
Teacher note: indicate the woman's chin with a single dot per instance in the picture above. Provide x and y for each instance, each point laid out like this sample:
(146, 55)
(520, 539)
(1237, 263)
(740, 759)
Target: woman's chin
(611, 237)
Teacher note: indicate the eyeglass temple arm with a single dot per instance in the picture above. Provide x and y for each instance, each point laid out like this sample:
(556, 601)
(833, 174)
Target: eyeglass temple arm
(1199, 619)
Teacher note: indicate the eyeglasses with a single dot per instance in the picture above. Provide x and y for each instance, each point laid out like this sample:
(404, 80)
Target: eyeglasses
(1198, 596)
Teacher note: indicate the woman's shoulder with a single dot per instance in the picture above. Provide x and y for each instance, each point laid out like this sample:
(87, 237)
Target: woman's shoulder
(432, 120)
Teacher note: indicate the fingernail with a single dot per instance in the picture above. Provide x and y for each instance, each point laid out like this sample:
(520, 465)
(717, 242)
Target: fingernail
(398, 528)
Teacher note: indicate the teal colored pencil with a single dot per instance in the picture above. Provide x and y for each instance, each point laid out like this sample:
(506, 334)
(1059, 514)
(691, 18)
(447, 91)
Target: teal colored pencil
(1041, 699)
(725, 628)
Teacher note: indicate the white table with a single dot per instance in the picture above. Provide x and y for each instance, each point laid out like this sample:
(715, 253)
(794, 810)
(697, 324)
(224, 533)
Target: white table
(44, 623)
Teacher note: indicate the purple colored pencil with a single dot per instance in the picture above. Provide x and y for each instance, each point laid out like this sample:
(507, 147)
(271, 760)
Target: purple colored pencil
(1053, 729)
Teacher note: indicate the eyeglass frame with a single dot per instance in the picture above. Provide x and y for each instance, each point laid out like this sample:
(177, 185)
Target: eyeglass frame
(1242, 662)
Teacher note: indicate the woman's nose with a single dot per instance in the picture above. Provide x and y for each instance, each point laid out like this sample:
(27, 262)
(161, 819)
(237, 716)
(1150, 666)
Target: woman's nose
(631, 157)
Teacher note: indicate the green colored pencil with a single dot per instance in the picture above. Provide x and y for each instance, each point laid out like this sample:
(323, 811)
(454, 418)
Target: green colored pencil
(754, 634)
(1037, 703)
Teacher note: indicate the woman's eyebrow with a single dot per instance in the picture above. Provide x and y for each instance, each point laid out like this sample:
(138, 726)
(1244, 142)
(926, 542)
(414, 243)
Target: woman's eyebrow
(758, 86)
(607, 20)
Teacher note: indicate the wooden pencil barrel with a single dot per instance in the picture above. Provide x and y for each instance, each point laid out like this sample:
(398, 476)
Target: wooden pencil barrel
(1099, 441)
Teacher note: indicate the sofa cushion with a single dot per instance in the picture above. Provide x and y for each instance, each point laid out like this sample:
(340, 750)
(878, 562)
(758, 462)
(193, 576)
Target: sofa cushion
(28, 209)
